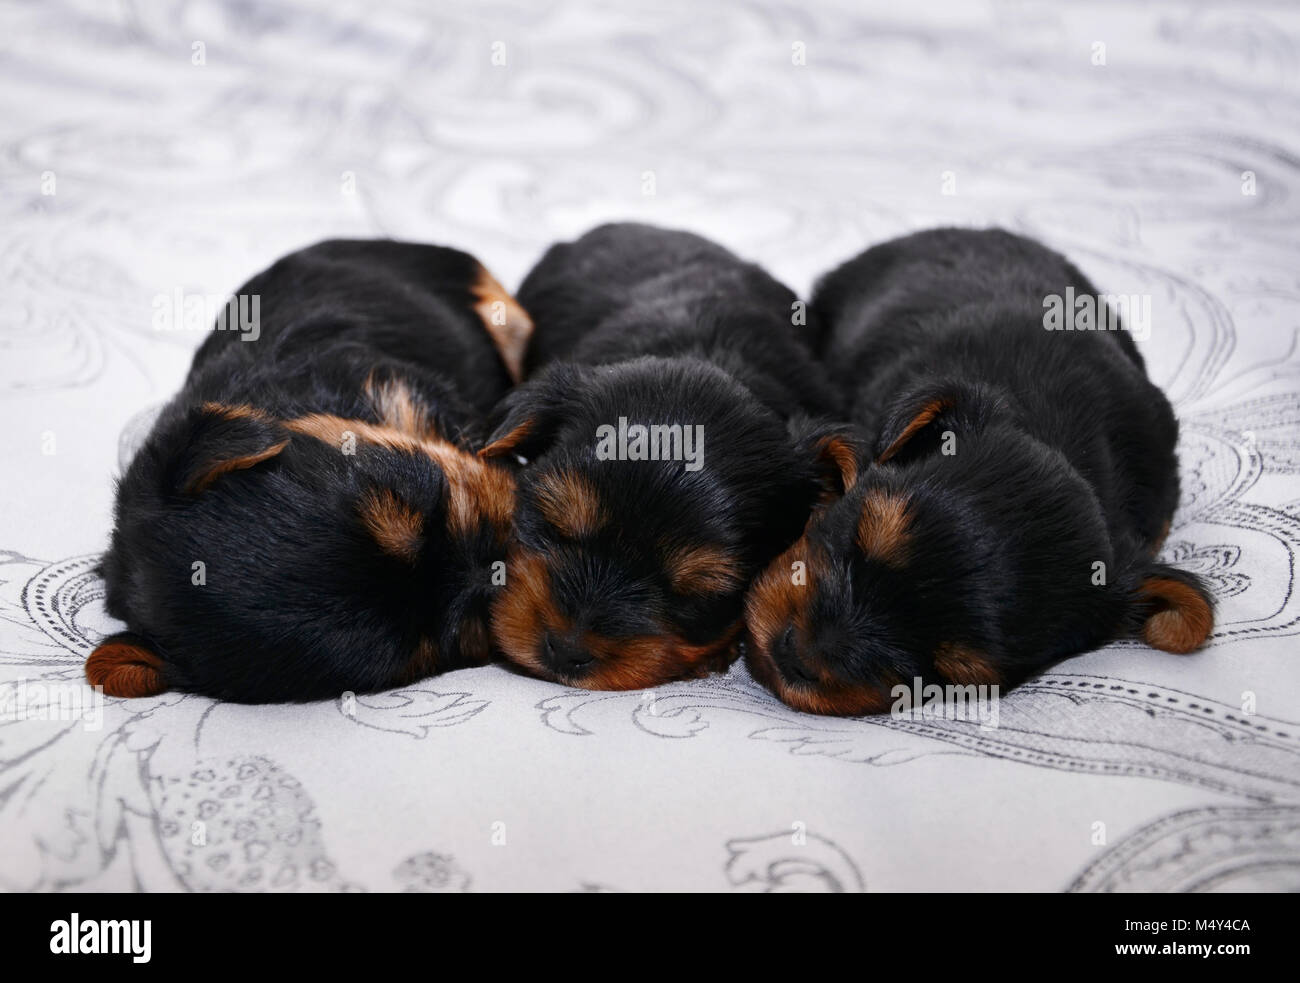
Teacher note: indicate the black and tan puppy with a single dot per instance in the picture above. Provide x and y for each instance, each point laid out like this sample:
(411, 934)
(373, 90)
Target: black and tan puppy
(308, 515)
(1019, 482)
(665, 467)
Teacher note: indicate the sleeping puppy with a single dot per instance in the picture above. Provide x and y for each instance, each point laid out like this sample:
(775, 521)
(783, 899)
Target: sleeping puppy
(308, 515)
(671, 457)
(1018, 486)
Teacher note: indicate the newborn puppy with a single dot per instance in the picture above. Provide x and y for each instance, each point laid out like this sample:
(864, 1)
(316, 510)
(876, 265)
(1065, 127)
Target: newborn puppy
(308, 515)
(671, 457)
(1020, 484)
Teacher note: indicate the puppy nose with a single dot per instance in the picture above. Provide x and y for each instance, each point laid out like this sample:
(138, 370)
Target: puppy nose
(564, 655)
(785, 653)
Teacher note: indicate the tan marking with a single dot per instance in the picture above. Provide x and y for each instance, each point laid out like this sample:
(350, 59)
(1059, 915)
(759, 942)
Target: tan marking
(703, 570)
(477, 492)
(236, 411)
(922, 419)
(840, 452)
(233, 412)
(525, 611)
(883, 527)
(399, 408)
(775, 603)
(422, 664)
(838, 699)
(570, 503)
(507, 322)
(523, 608)
(964, 665)
(125, 669)
(1183, 619)
(507, 444)
(474, 641)
(652, 660)
(828, 695)
(200, 482)
(395, 526)
(331, 429)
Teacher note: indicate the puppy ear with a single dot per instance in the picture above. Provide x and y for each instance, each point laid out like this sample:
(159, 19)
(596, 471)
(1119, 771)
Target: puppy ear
(922, 410)
(222, 438)
(1175, 609)
(836, 451)
(507, 323)
(126, 665)
(529, 417)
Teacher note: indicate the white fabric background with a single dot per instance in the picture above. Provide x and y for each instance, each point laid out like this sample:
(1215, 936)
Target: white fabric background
(170, 175)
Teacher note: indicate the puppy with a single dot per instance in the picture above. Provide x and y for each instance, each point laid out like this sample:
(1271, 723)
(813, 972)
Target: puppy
(308, 515)
(671, 456)
(1018, 485)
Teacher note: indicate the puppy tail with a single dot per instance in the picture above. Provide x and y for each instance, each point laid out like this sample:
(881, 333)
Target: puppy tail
(125, 665)
(1173, 609)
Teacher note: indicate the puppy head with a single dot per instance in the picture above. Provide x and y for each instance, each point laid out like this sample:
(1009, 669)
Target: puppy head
(974, 567)
(656, 489)
(261, 559)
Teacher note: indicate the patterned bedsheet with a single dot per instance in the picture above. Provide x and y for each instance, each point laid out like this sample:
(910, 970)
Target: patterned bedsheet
(156, 149)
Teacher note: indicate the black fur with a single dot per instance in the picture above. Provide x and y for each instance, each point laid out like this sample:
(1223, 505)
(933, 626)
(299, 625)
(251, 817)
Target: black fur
(1062, 457)
(658, 327)
(300, 601)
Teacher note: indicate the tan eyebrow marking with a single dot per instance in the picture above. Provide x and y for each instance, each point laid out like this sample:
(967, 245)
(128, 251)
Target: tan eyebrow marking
(570, 503)
(703, 570)
(883, 527)
(395, 526)
(399, 408)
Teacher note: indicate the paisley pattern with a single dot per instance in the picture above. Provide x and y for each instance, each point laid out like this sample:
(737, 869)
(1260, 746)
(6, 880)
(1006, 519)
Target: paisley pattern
(180, 145)
(1215, 849)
